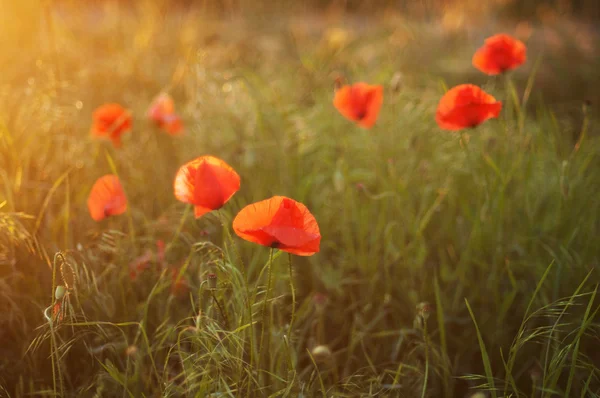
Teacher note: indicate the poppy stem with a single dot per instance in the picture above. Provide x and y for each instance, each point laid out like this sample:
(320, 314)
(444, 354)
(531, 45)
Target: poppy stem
(291, 328)
(264, 307)
(220, 308)
(426, 338)
(247, 290)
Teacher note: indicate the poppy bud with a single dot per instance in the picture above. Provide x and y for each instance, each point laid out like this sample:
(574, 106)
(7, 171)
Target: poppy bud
(60, 291)
(478, 395)
(338, 81)
(338, 181)
(321, 353)
(424, 310)
(212, 281)
(535, 373)
(396, 82)
(320, 300)
(131, 350)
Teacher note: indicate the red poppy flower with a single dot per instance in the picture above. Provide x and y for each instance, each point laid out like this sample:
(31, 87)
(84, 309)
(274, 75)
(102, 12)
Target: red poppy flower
(360, 103)
(465, 106)
(499, 54)
(111, 121)
(107, 198)
(280, 223)
(207, 183)
(162, 112)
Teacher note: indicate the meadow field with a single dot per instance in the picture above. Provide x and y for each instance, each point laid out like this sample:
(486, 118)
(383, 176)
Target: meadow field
(449, 263)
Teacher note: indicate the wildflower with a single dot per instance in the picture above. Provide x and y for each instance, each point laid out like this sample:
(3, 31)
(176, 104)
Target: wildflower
(179, 285)
(140, 264)
(360, 103)
(279, 222)
(107, 198)
(160, 253)
(111, 121)
(162, 112)
(207, 183)
(499, 54)
(320, 301)
(465, 106)
(424, 309)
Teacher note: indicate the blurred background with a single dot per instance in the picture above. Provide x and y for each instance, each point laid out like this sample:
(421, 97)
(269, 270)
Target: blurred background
(251, 77)
(429, 36)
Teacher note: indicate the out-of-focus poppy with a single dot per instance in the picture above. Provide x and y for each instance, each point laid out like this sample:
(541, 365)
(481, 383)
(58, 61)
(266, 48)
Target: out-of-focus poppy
(140, 264)
(162, 112)
(180, 287)
(466, 106)
(111, 121)
(281, 223)
(57, 312)
(499, 54)
(160, 253)
(360, 103)
(207, 183)
(107, 198)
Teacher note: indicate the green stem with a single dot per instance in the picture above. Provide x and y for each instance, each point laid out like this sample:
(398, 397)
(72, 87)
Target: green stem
(291, 328)
(247, 291)
(424, 391)
(264, 307)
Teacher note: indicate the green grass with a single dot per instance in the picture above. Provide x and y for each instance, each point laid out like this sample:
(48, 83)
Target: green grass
(501, 236)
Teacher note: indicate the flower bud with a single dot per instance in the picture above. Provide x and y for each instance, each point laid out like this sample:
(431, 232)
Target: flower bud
(424, 310)
(321, 353)
(60, 291)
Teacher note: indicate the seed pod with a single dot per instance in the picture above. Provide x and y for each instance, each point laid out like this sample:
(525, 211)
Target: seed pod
(212, 280)
(60, 291)
(321, 353)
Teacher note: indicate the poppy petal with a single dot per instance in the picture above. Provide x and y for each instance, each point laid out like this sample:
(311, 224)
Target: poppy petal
(106, 198)
(279, 222)
(360, 103)
(207, 183)
(466, 106)
(110, 121)
(499, 54)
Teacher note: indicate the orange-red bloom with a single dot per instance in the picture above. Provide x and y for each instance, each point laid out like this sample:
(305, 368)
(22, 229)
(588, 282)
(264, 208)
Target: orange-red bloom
(207, 183)
(360, 103)
(162, 112)
(281, 223)
(107, 198)
(180, 287)
(111, 121)
(465, 106)
(499, 54)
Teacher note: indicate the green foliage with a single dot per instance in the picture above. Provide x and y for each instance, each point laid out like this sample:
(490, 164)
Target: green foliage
(500, 232)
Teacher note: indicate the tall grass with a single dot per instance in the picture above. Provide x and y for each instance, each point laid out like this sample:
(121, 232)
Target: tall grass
(498, 229)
